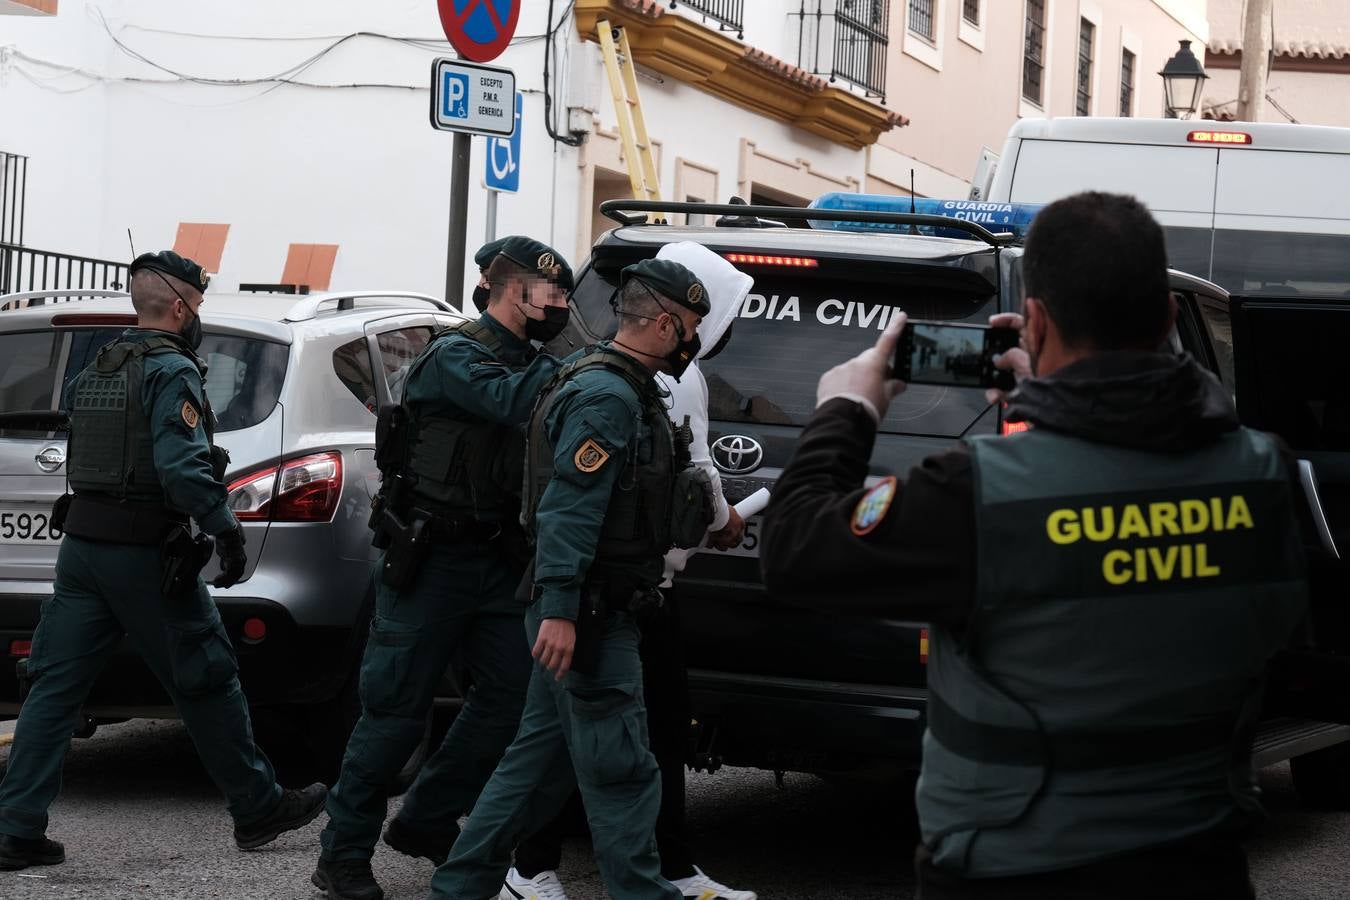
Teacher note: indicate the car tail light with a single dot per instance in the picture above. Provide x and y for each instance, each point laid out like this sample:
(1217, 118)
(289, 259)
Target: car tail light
(64, 319)
(20, 648)
(299, 490)
(1008, 428)
(1219, 137)
(255, 630)
(923, 646)
(756, 259)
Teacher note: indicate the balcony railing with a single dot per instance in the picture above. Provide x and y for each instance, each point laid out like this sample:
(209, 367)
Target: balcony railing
(728, 14)
(13, 188)
(25, 269)
(853, 33)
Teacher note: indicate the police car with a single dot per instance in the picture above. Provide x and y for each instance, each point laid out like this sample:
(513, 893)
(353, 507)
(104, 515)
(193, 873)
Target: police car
(785, 688)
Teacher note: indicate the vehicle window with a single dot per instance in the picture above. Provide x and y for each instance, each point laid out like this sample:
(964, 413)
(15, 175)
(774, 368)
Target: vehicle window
(351, 362)
(243, 378)
(398, 349)
(1220, 329)
(28, 370)
(1188, 250)
(1280, 263)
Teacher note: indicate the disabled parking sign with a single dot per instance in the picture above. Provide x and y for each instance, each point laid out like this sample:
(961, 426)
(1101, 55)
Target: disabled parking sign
(503, 159)
(473, 98)
(479, 29)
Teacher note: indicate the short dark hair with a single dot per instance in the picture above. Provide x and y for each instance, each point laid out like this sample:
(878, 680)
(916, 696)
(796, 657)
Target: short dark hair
(1099, 264)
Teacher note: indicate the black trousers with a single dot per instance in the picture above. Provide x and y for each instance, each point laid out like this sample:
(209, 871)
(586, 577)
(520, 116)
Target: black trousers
(665, 684)
(1212, 867)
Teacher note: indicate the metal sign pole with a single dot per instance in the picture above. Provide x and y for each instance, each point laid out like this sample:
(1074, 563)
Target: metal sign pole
(459, 221)
(491, 232)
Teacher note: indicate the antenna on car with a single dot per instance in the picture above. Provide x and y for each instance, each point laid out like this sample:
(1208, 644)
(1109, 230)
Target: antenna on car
(132, 243)
(913, 229)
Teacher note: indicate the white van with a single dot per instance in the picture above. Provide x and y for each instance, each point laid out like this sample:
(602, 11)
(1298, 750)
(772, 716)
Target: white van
(1256, 208)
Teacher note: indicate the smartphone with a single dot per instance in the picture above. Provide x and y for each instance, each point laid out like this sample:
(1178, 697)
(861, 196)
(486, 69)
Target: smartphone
(952, 354)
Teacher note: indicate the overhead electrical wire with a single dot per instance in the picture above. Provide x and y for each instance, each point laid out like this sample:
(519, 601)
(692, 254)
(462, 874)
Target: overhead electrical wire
(549, 50)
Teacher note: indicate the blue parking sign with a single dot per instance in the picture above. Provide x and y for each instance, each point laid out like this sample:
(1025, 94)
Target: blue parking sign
(503, 158)
(454, 95)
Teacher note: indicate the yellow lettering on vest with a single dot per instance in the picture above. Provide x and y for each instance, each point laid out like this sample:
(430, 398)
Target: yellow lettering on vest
(1202, 567)
(1239, 516)
(1140, 565)
(1164, 564)
(1112, 565)
(1163, 518)
(1187, 561)
(1194, 517)
(1216, 512)
(1108, 523)
(1132, 523)
(1062, 526)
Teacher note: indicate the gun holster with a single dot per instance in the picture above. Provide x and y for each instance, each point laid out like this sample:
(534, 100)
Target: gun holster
(406, 547)
(183, 557)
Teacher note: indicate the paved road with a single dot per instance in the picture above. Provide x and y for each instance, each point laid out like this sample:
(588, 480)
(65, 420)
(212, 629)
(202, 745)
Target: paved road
(140, 819)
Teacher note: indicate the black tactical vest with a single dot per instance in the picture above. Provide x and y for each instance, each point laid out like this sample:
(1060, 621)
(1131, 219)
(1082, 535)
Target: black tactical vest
(463, 468)
(636, 532)
(111, 441)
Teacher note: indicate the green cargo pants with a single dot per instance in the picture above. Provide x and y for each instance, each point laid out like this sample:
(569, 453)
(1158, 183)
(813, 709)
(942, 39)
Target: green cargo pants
(101, 592)
(463, 600)
(587, 731)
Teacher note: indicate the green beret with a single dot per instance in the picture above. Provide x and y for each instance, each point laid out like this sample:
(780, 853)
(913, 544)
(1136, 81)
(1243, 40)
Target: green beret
(171, 263)
(670, 279)
(537, 257)
(487, 253)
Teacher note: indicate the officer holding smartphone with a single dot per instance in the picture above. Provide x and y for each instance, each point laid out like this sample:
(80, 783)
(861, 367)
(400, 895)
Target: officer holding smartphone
(1103, 590)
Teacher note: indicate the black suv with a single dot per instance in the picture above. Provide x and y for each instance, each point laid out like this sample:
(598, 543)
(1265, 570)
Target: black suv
(780, 687)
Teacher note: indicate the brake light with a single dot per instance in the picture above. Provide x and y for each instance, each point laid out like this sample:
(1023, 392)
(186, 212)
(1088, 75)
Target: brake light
(20, 648)
(299, 490)
(1219, 137)
(1008, 428)
(923, 646)
(93, 319)
(756, 259)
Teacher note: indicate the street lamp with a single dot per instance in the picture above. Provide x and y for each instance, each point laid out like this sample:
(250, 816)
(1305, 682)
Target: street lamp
(1183, 77)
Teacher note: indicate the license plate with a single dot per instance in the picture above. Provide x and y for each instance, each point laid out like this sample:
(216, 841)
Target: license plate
(19, 525)
(749, 544)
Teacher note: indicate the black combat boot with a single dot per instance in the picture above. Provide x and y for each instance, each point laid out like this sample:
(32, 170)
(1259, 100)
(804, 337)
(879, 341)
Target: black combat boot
(413, 842)
(294, 810)
(20, 853)
(346, 879)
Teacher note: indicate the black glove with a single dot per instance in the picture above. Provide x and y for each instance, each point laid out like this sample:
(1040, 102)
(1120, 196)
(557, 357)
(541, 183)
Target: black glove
(230, 549)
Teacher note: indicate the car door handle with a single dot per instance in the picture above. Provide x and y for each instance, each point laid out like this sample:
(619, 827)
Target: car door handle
(1308, 478)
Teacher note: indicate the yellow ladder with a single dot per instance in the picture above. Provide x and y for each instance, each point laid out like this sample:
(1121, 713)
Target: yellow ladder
(637, 146)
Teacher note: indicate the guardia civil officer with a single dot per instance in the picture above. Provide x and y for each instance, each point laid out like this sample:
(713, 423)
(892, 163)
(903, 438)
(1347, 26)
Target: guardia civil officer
(141, 464)
(1104, 589)
(604, 501)
(665, 679)
(447, 517)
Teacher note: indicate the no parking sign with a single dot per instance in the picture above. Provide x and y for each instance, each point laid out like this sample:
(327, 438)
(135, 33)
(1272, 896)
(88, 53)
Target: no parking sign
(479, 29)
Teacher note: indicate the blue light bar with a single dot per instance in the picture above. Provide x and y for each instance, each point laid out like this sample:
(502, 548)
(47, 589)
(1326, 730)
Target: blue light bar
(1014, 218)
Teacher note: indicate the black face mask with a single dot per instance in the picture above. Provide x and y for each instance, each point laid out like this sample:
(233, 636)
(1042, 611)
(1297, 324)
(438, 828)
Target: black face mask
(193, 333)
(721, 343)
(481, 293)
(550, 326)
(685, 352)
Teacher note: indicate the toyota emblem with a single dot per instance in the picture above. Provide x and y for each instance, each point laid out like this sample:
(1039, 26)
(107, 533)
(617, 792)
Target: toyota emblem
(51, 459)
(736, 454)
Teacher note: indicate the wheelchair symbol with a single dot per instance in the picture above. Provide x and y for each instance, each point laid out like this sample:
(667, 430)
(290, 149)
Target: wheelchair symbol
(501, 159)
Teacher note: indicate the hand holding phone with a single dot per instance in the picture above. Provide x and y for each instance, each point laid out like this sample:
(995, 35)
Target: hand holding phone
(954, 354)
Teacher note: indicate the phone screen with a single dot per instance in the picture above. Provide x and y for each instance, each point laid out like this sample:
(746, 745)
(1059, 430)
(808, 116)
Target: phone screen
(957, 355)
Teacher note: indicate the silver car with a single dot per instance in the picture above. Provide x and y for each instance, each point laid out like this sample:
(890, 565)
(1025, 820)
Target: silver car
(295, 383)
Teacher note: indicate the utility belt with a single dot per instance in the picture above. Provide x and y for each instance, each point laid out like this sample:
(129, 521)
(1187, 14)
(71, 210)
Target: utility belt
(114, 522)
(600, 597)
(406, 537)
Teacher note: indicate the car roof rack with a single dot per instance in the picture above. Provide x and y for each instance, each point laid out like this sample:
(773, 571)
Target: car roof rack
(25, 299)
(308, 308)
(617, 209)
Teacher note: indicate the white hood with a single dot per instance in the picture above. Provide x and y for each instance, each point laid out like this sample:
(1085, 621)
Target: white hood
(727, 287)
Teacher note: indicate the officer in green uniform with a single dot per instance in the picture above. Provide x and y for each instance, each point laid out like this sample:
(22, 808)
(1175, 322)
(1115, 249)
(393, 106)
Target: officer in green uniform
(606, 496)
(1103, 590)
(141, 463)
(448, 517)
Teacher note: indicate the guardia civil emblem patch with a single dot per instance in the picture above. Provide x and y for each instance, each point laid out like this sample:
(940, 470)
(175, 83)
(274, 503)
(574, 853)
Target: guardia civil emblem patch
(695, 293)
(873, 506)
(190, 415)
(589, 457)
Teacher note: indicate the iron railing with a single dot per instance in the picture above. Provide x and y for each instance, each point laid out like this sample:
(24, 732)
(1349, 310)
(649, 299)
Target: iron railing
(921, 18)
(26, 269)
(854, 35)
(1033, 54)
(13, 191)
(728, 14)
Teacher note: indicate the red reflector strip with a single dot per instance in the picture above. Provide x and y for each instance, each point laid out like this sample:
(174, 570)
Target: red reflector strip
(923, 646)
(20, 648)
(756, 259)
(255, 629)
(1219, 137)
(1008, 428)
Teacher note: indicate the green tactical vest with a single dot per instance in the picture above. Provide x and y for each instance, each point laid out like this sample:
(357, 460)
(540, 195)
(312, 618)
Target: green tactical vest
(635, 534)
(111, 442)
(466, 468)
(1105, 695)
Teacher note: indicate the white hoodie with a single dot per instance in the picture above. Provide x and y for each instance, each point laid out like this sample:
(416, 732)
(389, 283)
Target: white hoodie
(727, 287)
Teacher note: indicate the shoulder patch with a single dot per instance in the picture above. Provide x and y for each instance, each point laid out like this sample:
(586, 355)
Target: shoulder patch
(190, 415)
(590, 456)
(873, 506)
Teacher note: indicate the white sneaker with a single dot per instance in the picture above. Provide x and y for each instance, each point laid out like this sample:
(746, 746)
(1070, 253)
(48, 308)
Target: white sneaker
(544, 886)
(700, 887)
